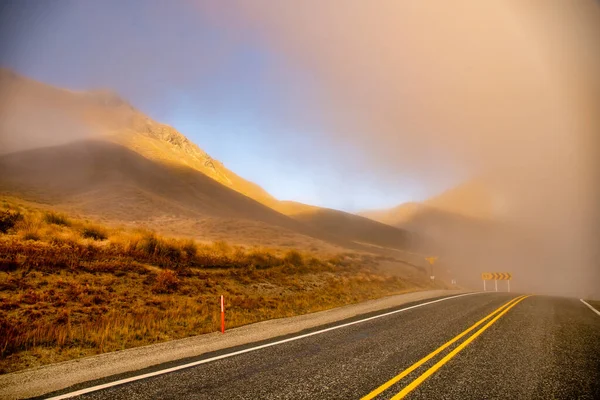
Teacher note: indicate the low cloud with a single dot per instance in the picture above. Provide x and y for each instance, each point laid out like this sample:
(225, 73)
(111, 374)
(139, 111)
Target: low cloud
(505, 92)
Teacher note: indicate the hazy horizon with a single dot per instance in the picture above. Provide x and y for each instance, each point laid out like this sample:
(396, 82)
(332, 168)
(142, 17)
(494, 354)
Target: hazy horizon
(225, 89)
(262, 97)
(357, 108)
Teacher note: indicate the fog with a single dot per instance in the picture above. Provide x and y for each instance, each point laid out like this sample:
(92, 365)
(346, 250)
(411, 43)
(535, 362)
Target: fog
(504, 92)
(58, 119)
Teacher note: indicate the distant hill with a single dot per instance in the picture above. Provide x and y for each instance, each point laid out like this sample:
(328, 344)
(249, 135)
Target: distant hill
(461, 228)
(98, 155)
(472, 199)
(360, 229)
(109, 181)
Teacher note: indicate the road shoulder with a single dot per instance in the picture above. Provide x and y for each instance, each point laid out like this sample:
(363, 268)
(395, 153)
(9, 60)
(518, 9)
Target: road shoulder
(50, 378)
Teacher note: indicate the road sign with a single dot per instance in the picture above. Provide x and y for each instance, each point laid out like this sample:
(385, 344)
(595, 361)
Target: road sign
(496, 276)
(431, 260)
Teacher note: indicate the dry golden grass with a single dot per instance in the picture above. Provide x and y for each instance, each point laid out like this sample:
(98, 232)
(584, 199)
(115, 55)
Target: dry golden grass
(71, 288)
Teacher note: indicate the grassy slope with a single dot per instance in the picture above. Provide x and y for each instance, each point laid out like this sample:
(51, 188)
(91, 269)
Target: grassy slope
(71, 288)
(97, 178)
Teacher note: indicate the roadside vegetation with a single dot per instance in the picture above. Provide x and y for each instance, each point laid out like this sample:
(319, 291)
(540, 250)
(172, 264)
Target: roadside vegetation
(71, 288)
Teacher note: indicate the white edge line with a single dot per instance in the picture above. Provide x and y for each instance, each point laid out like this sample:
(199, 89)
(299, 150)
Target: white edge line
(235, 353)
(591, 307)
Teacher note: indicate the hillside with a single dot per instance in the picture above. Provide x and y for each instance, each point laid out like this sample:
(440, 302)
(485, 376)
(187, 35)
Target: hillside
(395, 216)
(472, 199)
(62, 116)
(361, 229)
(107, 181)
(95, 154)
(460, 227)
(71, 287)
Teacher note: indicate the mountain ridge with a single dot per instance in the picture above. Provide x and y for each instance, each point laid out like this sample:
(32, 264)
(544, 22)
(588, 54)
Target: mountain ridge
(102, 115)
(472, 199)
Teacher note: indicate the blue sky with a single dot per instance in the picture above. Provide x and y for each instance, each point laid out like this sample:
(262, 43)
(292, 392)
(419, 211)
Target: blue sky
(234, 94)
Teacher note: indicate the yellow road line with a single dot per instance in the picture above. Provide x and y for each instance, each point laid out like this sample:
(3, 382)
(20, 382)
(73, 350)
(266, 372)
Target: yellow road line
(422, 361)
(454, 352)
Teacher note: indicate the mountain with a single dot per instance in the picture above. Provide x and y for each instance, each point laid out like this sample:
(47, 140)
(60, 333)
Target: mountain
(461, 226)
(457, 219)
(113, 183)
(472, 199)
(395, 216)
(62, 116)
(96, 154)
(360, 229)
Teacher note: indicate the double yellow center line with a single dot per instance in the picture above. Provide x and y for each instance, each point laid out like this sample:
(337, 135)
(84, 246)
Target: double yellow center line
(494, 316)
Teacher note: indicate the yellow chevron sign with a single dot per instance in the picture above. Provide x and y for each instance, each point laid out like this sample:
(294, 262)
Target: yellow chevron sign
(431, 260)
(496, 276)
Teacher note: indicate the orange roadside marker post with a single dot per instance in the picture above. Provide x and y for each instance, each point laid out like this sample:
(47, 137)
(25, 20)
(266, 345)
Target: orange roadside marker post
(222, 315)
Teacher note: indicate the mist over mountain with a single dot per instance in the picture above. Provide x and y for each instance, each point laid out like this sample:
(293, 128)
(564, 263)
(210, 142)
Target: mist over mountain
(97, 154)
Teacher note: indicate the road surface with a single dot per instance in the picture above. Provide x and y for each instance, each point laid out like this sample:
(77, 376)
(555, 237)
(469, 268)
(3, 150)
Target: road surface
(478, 346)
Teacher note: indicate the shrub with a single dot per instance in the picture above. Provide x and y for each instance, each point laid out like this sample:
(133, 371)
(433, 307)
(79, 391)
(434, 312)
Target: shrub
(190, 248)
(166, 282)
(148, 244)
(263, 259)
(67, 241)
(239, 256)
(29, 226)
(55, 218)
(293, 257)
(167, 252)
(222, 247)
(127, 242)
(31, 235)
(94, 232)
(8, 219)
(168, 249)
(9, 331)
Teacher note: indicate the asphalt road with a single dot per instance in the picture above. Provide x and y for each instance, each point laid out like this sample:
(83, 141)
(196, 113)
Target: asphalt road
(534, 348)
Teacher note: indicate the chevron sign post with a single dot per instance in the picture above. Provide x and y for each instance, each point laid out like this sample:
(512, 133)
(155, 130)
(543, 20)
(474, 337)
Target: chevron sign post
(496, 276)
(431, 261)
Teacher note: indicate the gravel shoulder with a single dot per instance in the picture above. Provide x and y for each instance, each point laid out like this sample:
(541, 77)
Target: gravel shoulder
(49, 378)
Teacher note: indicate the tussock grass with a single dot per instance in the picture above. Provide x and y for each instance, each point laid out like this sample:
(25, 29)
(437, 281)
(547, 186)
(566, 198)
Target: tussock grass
(8, 219)
(30, 227)
(70, 288)
(293, 257)
(52, 217)
(95, 232)
(166, 282)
